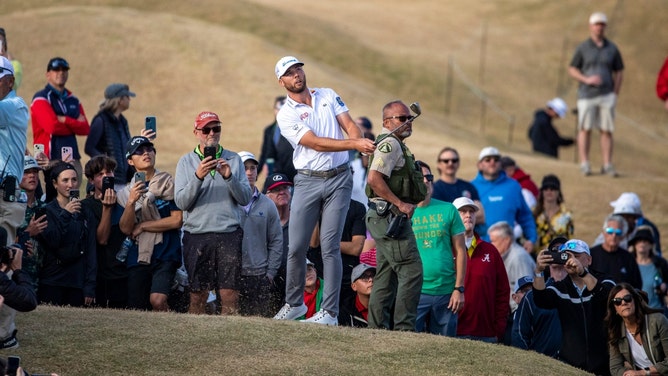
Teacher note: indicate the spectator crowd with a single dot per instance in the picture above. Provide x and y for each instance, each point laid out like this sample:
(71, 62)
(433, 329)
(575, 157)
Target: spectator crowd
(418, 249)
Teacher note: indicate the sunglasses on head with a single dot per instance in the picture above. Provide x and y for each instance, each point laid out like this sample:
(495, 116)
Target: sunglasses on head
(616, 231)
(626, 298)
(215, 129)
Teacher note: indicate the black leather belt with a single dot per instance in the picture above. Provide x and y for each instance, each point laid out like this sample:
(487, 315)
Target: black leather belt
(325, 174)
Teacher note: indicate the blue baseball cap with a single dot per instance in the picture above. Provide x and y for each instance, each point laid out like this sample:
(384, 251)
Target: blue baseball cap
(575, 246)
(523, 281)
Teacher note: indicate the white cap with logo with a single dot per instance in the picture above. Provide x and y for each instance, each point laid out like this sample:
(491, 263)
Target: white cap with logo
(284, 64)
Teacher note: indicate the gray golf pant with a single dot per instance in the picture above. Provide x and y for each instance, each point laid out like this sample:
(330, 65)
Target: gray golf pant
(313, 195)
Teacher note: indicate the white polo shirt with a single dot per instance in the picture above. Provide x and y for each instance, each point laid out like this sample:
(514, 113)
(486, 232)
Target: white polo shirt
(296, 119)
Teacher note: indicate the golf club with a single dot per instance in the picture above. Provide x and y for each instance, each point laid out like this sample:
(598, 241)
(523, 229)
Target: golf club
(415, 107)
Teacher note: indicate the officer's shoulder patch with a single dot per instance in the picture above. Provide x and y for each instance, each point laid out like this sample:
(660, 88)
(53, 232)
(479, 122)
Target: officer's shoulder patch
(385, 147)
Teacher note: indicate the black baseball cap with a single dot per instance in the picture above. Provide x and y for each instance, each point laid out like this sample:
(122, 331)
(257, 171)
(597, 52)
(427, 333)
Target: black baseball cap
(57, 63)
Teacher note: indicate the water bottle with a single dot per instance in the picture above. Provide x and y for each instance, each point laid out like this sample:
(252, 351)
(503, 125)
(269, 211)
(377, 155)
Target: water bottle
(270, 166)
(23, 197)
(122, 254)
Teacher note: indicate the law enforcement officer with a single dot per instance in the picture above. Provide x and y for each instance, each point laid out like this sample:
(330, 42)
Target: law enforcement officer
(395, 186)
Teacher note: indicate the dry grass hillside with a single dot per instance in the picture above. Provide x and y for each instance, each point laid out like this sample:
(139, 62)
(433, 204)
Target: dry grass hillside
(181, 58)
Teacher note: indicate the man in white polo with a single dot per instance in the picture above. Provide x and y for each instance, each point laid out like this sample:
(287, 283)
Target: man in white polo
(313, 121)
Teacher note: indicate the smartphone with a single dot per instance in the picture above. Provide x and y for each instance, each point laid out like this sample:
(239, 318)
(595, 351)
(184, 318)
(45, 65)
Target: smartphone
(140, 176)
(74, 194)
(210, 151)
(38, 148)
(13, 363)
(151, 125)
(39, 212)
(107, 182)
(558, 257)
(66, 154)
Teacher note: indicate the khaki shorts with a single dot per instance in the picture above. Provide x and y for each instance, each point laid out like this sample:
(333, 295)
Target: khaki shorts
(597, 112)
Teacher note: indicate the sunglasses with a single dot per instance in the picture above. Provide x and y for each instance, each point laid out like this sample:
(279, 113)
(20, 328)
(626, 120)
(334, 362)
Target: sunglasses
(401, 118)
(616, 231)
(490, 159)
(626, 298)
(143, 149)
(429, 177)
(448, 161)
(205, 131)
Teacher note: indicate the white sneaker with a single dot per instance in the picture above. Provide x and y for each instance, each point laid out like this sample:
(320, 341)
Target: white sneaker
(585, 169)
(324, 318)
(291, 313)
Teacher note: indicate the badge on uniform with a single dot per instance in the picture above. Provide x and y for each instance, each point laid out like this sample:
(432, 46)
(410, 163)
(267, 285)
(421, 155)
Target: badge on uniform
(385, 147)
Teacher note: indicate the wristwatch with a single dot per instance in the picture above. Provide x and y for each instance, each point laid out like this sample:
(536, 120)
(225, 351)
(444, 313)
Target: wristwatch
(460, 289)
(538, 275)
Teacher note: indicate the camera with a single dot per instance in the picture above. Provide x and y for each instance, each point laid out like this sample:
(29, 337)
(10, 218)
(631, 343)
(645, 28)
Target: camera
(558, 257)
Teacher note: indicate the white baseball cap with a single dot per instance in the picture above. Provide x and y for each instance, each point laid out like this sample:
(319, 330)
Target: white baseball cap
(598, 17)
(247, 156)
(6, 67)
(559, 106)
(489, 151)
(284, 64)
(461, 202)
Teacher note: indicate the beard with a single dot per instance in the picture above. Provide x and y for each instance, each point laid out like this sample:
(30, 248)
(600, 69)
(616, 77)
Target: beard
(297, 87)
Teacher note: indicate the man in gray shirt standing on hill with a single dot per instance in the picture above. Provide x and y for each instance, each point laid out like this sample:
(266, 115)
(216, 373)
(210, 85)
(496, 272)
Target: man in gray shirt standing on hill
(210, 185)
(597, 65)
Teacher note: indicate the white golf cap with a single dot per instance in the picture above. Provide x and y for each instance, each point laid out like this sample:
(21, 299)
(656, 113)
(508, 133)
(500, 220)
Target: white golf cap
(489, 151)
(598, 17)
(627, 203)
(559, 106)
(247, 156)
(6, 67)
(461, 202)
(284, 64)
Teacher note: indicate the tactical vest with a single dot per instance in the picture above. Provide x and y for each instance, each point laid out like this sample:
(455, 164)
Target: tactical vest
(406, 183)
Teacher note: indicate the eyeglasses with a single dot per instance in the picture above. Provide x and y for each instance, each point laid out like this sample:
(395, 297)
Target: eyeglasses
(616, 231)
(448, 161)
(626, 298)
(205, 131)
(366, 277)
(143, 149)
(279, 189)
(490, 159)
(429, 177)
(401, 118)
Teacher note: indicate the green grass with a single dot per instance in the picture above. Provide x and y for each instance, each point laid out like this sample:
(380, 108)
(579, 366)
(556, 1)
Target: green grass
(72, 341)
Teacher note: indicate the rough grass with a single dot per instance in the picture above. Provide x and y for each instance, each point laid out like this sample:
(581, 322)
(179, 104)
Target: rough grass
(74, 341)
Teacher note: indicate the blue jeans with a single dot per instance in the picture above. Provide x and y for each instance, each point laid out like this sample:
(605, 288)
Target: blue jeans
(441, 319)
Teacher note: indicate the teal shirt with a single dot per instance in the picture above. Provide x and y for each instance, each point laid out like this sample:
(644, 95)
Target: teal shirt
(434, 227)
(14, 116)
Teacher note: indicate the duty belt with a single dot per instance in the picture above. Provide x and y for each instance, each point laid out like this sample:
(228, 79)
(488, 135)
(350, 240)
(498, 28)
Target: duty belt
(325, 174)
